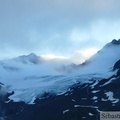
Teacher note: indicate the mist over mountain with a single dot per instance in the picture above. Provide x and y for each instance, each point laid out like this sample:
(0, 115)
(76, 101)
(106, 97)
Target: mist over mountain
(106, 57)
(31, 58)
(29, 83)
(101, 62)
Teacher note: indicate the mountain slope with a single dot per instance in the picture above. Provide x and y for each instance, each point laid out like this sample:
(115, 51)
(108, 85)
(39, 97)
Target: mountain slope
(35, 95)
(100, 63)
(104, 60)
(31, 58)
(81, 101)
(32, 79)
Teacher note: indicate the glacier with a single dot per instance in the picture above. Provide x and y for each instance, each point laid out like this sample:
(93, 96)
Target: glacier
(30, 76)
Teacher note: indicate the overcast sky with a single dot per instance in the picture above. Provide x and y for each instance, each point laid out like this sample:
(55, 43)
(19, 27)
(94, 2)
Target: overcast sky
(59, 27)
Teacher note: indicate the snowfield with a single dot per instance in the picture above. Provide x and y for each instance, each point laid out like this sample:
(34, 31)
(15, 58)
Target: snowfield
(30, 76)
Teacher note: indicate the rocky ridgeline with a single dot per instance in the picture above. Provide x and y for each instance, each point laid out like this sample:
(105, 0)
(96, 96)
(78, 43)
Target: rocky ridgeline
(114, 41)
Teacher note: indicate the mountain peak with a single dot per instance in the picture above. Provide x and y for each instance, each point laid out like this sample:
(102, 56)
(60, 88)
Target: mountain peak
(32, 58)
(32, 55)
(115, 42)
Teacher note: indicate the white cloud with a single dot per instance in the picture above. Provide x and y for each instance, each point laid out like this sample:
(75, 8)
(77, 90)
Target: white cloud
(52, 57)
(99, 33)
(81, 55)
(105, 30)
(78, 35)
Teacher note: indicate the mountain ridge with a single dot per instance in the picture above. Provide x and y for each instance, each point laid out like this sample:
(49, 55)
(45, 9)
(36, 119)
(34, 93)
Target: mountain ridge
(80, 101)
(93, 85)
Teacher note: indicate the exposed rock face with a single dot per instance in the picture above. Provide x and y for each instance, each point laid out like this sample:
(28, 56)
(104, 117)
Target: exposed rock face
(118, 72)
(3, 92)
(117, 65)
(116, 42)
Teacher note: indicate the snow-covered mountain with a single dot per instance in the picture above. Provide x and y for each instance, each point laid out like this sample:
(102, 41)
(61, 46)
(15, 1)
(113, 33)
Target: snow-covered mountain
(106, 57)
(28, 84)
(31, 74)
(33, 63)
(100, 63)
(31, 58)
(104, 60)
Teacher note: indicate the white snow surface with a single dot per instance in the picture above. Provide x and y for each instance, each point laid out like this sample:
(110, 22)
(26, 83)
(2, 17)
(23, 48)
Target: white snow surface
(110, 95)
(95, 97)
(66, 111)
(29, 77)
(103, 61)
(91, 114)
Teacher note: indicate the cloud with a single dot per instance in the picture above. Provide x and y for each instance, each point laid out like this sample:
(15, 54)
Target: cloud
(79, 35)
(53, 57)
(99, 33)
(81, 55)
(58, 27)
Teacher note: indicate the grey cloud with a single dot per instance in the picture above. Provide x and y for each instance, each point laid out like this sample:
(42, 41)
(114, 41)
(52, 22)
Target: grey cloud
(32, 25)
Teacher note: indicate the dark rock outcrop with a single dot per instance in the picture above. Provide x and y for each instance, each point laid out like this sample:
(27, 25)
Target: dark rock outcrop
(115, 42)
(117, 65)
(118, 73)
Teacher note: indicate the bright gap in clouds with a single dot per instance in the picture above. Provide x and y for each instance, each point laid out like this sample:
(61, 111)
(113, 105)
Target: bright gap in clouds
(81, 56)
(52, 57)
(78, 57)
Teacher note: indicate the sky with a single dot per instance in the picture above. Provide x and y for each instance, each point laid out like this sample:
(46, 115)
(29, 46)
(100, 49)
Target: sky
(73, 29)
